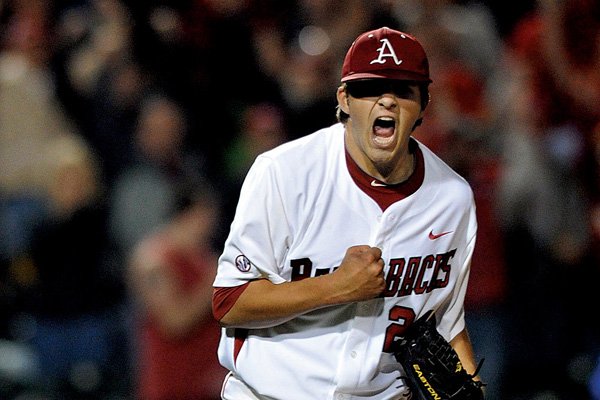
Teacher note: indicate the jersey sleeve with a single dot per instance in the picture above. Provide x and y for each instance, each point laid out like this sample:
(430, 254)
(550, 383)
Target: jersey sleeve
(258, 238)
(452, 313)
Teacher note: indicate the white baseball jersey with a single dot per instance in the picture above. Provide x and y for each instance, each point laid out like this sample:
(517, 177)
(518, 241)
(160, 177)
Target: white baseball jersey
(299, 211)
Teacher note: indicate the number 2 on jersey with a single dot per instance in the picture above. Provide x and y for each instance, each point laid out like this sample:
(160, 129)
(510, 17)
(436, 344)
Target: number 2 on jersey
(403, 317)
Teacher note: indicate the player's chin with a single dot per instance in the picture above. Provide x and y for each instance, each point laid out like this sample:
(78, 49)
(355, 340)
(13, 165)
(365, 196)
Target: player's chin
(382, 157)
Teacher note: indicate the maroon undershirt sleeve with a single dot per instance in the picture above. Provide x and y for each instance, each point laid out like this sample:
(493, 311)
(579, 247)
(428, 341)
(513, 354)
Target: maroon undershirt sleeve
(224, 298)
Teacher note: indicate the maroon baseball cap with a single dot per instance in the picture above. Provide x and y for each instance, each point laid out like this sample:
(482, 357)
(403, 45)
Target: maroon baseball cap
(386, 53)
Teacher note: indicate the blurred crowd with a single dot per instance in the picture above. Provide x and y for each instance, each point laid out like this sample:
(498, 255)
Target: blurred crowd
(126, 129)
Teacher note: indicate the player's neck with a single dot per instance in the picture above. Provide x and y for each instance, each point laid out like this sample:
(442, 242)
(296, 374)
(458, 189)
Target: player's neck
(405, 169)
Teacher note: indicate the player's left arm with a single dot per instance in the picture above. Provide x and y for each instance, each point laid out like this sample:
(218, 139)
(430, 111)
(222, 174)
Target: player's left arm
(464, 349)
(461, 342)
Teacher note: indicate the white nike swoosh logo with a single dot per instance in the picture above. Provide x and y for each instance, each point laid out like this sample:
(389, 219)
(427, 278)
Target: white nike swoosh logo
(375, 183)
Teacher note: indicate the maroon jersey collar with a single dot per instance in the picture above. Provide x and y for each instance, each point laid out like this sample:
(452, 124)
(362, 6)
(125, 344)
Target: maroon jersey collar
(384, 194)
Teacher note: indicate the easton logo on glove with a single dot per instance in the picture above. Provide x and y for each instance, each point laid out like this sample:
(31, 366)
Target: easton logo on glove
(433, 369)
(425, 382)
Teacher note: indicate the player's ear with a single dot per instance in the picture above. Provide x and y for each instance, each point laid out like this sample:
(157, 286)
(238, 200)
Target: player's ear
(342, 98)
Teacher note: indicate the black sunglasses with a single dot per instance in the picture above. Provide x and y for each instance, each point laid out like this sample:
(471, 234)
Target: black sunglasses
(379, 87)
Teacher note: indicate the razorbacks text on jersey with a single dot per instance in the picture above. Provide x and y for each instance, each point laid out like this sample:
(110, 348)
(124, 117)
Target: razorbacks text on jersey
(302, 205)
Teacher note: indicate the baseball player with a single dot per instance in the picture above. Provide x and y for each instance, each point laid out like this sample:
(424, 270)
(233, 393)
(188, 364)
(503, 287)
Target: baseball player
(341, 239)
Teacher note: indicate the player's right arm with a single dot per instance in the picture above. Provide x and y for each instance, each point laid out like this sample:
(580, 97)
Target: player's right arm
(263, 303)
(251, 288)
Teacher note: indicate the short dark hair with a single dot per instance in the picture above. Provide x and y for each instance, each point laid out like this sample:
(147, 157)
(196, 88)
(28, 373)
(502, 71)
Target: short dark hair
(423, 87)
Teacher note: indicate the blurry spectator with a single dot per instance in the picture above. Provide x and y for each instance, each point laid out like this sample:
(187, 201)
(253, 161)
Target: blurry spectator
(114, 111)
(571, 40)
(170, 275)
(72, 289)
(143, 195)
(91, 35)
(101, 79)
(262, 127)
(30, 116)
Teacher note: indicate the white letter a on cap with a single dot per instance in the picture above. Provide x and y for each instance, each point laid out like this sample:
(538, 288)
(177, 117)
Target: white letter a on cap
(386, 50)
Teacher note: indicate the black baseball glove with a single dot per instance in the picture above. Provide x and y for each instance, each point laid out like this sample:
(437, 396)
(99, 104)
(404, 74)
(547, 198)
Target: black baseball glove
(433, 369)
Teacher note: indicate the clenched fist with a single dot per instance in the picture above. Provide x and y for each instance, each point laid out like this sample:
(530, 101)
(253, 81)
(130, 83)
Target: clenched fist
(360, 275)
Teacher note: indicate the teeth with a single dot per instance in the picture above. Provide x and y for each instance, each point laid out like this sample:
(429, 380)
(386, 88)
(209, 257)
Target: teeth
(383, 141)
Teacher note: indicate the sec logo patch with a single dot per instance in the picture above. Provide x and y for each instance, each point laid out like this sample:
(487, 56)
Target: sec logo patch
(243, 263)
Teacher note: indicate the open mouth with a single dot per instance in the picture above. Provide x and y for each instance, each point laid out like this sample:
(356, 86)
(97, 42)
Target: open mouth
(383, 131)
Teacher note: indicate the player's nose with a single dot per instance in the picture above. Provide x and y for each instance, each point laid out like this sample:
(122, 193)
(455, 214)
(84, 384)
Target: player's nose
(387, 100)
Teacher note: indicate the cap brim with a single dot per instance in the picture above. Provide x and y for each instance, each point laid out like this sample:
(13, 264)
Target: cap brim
(394, 74)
